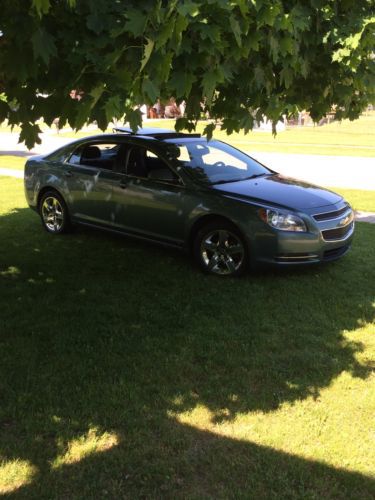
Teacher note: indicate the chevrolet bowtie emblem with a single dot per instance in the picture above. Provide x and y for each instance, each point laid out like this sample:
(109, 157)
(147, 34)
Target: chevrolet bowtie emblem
(346, 221)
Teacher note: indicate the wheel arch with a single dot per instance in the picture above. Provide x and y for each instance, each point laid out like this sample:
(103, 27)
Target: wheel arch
(209, 219)
(44, 190)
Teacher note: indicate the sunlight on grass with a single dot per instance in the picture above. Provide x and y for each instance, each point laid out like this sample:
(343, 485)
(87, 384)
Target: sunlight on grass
(358, 199)
(11, 272)
(14, 474)
(222, 388)
(334, 425)
(12, 161)
(90, 443)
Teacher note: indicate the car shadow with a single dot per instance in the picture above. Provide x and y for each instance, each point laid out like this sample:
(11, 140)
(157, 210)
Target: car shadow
(108, 335)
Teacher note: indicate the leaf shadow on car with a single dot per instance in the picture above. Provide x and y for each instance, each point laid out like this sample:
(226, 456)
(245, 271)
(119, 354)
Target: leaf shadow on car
(104, 334)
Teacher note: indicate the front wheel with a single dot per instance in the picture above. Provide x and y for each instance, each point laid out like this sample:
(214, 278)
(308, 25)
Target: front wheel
(54, 213)
(220, 249)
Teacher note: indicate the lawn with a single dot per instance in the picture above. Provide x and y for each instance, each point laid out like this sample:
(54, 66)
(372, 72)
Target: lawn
(126, 373)
(12, 161)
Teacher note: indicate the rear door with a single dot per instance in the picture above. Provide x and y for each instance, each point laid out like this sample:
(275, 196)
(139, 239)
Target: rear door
(90, 174)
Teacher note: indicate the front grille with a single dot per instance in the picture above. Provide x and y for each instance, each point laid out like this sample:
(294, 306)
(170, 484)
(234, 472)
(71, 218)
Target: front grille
(338, 233)
(335, 253)
(330, 215)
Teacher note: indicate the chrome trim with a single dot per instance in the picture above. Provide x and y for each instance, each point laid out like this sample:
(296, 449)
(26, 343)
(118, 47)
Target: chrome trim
(347, 235)
(309, 256)
(343, 215)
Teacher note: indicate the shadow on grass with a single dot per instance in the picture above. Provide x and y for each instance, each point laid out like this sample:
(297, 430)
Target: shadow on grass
(102, 333)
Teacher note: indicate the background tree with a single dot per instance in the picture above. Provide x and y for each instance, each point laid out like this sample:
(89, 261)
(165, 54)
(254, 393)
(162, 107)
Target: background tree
(238, 57)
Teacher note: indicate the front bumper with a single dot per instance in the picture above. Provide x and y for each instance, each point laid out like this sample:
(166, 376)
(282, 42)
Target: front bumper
(326, 240)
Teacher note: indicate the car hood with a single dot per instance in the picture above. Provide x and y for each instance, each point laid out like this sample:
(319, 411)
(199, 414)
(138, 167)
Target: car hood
(279, 190)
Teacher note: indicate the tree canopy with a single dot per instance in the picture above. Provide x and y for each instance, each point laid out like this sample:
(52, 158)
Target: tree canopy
(243, 59)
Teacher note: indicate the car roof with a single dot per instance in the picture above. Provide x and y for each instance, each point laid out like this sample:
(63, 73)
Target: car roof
(156, 133)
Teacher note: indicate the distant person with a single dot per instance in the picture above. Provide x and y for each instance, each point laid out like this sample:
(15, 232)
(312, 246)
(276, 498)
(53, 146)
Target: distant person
(171, 109)
(182, 108)
(143, 110)
(158, 109)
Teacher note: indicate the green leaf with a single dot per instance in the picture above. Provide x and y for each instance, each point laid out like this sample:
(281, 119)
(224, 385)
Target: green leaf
(83, 114)
(30, 134)
(300, 18)
(148, 48)
(188, 8)
(286, 76)
(209, 83)
(165, 34)
(150, 90)
(181, 83)
(268, 14)
(252, 40)
(234, 24)
(274, 48)
(96, 93)
(113, 108)
(210, 32)
(209, 130)
(286, 45)
(243, 6)
(41, 6)
(259, 77)
(95, 22)
(230, 125)
(43, 45)
(180, 26)
(134, 117)
(247, 122)
(136, 22)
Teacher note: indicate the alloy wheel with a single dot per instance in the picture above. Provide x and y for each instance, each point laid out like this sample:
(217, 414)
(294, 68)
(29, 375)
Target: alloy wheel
(222, 252)
(53, 214)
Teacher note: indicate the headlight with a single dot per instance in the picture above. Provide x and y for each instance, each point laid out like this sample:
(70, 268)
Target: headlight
(282, 220)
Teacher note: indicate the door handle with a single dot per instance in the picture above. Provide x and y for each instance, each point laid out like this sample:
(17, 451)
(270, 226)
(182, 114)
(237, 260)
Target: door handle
(123, 184)
(68, 173)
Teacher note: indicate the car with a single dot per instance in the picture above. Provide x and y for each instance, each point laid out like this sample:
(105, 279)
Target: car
(182, 190)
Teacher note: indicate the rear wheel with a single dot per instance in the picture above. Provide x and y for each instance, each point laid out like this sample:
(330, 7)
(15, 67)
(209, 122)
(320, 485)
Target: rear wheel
(54, 213)
(220, 249)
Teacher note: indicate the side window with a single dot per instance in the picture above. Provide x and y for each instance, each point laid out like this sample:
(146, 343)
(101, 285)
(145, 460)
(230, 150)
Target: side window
(107, 156)
(145, 164)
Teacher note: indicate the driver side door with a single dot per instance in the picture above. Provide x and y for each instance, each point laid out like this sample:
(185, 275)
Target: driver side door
(151, 199)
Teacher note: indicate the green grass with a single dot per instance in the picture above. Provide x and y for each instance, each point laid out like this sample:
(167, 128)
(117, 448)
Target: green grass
(126, 373)
(359, 199)
(12, 161)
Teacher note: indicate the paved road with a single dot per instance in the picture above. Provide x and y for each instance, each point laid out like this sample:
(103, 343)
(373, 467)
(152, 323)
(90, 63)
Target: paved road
(337, 171)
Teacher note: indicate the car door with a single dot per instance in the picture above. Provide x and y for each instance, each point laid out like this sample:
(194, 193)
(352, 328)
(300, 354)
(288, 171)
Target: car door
(150, 198)
(90, 175)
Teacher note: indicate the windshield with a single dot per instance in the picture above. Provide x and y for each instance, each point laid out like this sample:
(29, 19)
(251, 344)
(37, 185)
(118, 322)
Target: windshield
(215, 162)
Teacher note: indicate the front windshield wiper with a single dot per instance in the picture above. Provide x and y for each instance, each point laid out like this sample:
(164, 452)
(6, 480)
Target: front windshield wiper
(254, 176)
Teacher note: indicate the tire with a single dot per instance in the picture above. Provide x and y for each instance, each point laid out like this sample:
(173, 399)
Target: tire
(54, 213)
(220, 249)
